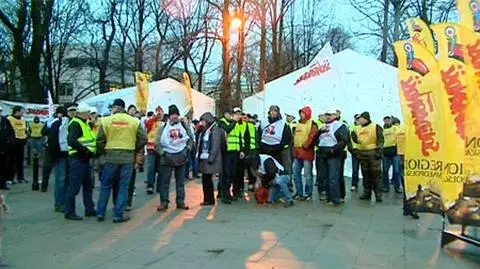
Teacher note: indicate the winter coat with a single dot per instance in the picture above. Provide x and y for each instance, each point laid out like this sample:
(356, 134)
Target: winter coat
(213, 164)
(307, 151)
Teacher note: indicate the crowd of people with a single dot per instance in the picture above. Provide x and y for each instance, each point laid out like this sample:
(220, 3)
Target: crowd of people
(275, 155)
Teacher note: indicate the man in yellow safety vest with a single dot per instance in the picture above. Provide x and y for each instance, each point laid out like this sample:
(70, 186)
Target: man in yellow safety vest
(251, 147)
(390, 156)
(369, 137)
(17, 150)
(231, 154)
(81, 148)
(121, 140)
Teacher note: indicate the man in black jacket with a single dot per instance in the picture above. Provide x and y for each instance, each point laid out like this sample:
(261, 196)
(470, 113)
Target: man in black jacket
(82, 147)
(7, 136)
(331, 144)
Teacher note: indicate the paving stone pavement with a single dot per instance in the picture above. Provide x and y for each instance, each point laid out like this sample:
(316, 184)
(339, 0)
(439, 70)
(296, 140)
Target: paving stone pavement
(358, 235)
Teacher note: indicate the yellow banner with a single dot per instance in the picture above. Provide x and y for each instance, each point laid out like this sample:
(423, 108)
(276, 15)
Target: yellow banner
(141, 81)
(420, 34)
(418, 80)
(188, 88)
(469, 11)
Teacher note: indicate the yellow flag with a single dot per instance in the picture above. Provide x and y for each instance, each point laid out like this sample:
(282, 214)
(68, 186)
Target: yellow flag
(418, 81)
(188, 88)
(420, 33)
(141, 81)
(469, 42)
(469, 11)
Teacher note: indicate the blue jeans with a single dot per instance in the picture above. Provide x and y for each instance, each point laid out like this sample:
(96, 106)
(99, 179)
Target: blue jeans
(79, 176)
(307, 167)
(36, 145)
(108, 177)
(391, 161)
(152, 168)
(279, 189)
(60, 182)
(330, 178)
(355, 169)
(179, 184)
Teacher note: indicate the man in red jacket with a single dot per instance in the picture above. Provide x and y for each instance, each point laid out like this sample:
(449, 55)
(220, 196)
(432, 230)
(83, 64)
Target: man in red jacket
(304, 136)
(152, 124)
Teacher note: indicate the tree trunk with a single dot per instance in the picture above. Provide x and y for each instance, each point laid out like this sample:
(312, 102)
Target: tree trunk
(263, 47)
(281, 33)
(102, 79)
(225, 85)
(240, 59)
(49, 68)
(396, 27)
(384, 51)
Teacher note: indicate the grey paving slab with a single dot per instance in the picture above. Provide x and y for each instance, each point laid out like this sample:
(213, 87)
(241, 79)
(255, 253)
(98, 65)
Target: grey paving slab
(359, 234)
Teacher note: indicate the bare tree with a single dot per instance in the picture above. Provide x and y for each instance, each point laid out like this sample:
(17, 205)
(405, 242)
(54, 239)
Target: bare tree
(68, 22)
(339, 39)
(101, 40)
(124, 22)
(28, 25)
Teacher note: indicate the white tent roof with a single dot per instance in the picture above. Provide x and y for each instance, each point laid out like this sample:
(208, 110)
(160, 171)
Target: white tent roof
(161, 93)
(255, 104)
(359, 83)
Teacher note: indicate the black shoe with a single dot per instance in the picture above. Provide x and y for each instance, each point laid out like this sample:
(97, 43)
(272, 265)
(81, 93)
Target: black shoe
(100, 218)
(183, 207)
(150, 190)
(378, 199)
(6, 188)
(128, 208)
(227, 201)
(234, 198)
(91, 214)
(44, 190)
(414, 215)
(365, 197)
(207, 204)
(288, 204)
(125, 219)
(35, 188)
(73, 217)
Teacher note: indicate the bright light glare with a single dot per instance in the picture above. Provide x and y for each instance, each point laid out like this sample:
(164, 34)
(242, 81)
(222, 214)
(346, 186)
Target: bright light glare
(236, 23)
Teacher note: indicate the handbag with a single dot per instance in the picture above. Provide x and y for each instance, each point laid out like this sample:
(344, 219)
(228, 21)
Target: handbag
(175, 159)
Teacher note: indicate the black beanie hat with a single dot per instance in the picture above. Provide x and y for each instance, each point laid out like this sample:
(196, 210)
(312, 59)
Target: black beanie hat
(173, 109)
(119, 102)
(131, 106)
(365, 115)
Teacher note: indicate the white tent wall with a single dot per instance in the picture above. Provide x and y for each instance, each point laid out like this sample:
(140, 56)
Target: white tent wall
(255, 104)
(161, 93)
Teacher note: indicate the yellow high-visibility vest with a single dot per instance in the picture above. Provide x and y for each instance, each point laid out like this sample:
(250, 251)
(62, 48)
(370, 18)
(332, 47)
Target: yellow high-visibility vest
(367, 137)
(36, 130)
(120, 131)
(19, 126)
(353, 128)
(233, 138)
(252, 130)
(390, 135)
(87, 139)
(400, 140)
(302, 130)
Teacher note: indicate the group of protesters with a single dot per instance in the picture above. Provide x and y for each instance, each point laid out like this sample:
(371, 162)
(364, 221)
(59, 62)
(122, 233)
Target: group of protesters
(275, 155)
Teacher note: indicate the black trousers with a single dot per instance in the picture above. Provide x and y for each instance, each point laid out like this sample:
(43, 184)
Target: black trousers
(17, 156)
(47, 167)
(229, 171)
(342, 176)
(239, 179)
(4, 170)
(207, 186)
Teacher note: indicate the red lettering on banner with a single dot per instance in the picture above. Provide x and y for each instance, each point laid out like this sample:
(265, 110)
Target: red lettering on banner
(418, 110)
(474, 53)
(418, 39)
(36, 112)
(457, 95)
(119, 123)
(315, 70)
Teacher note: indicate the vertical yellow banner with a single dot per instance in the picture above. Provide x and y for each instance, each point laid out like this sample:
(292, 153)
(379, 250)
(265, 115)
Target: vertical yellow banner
(418, 80)
(141, 81)
(188, 88)
(469, 11)
(420, 34)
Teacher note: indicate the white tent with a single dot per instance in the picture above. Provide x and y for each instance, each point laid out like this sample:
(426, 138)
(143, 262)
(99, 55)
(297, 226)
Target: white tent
(358, 83)
(255, 104)
(161, 93)
(353, 84)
